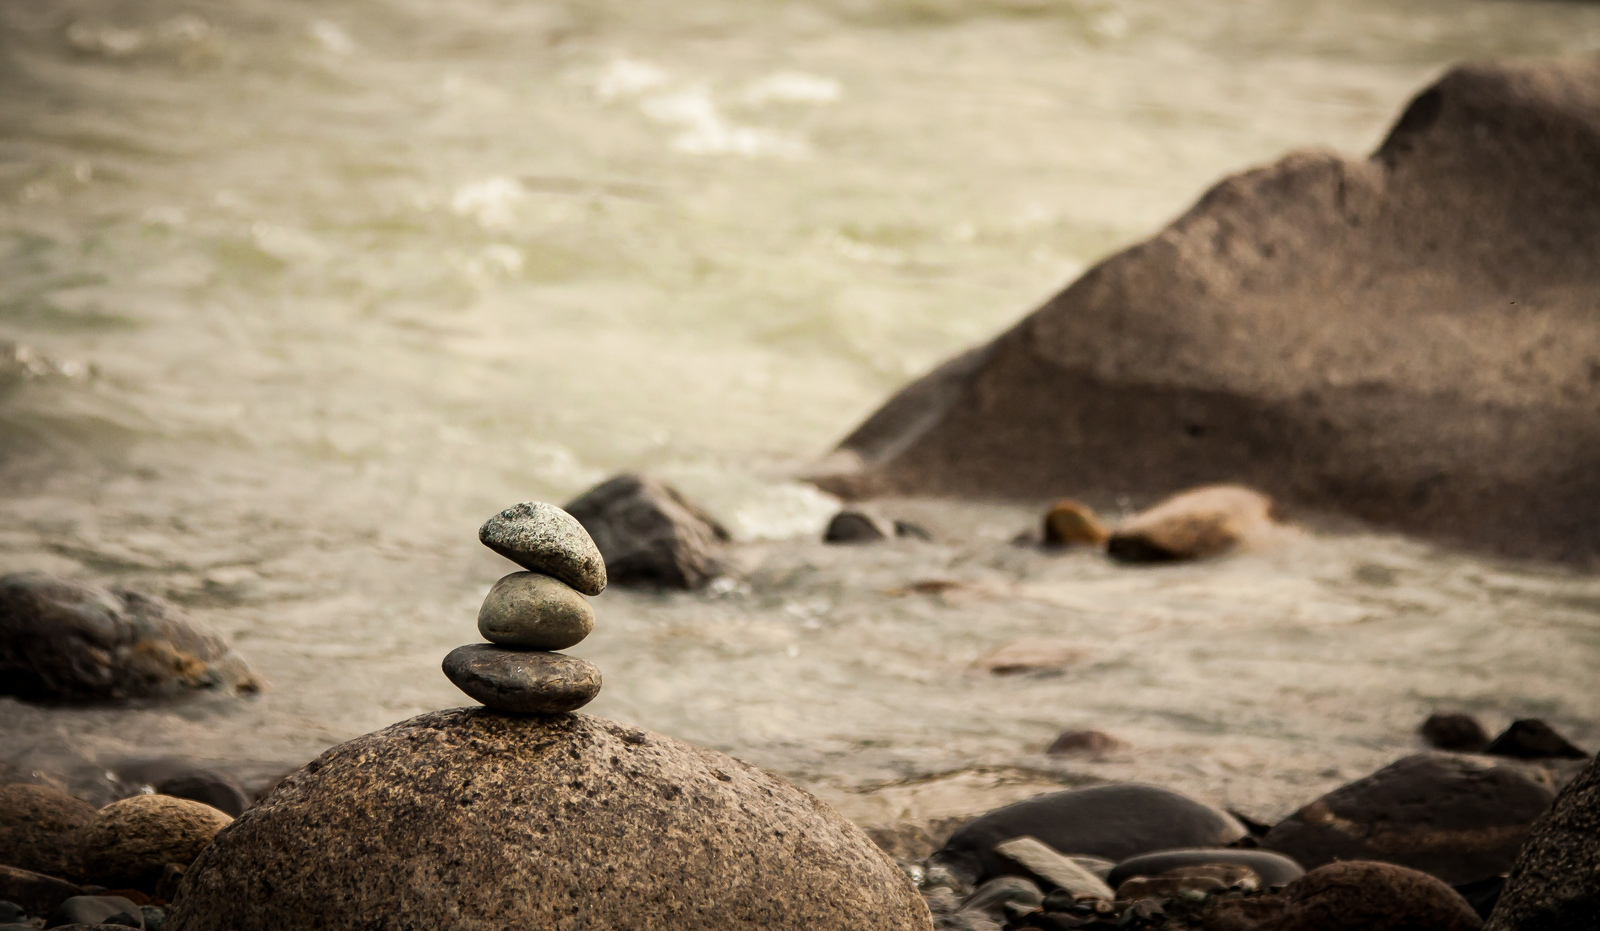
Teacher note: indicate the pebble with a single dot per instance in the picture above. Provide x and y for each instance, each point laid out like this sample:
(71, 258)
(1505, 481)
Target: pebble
(856, 527)
(96, 909)
(522, 682)
(1093, 743)
(1274, 869)
(543, 538)
(532, 611)
(1041, 860)
(1069, 522)
(1458, 732)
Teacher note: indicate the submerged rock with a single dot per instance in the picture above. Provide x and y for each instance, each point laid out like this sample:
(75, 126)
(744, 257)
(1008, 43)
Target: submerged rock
(130, 843)
(1458, 818)
(1088, 743)
(1113, 821)
(1555, 883)
(1457, 732)
(649, 533)
(39, 827)
(63, 641)
(1071, 522)
(1532, 739)
(852, 526)
(1196, 524)
(1270, 336)
(543, 538)
(476, 820)
(522, 681)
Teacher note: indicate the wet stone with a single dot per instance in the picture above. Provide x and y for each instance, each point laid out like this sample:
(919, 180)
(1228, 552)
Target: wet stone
(522, 682)
(532, 611)
(1533, 739)
(543, 538)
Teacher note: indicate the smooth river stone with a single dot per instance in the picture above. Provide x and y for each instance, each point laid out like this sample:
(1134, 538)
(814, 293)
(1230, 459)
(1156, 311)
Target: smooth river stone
(532, 611)
(543, 538)
(522, 681)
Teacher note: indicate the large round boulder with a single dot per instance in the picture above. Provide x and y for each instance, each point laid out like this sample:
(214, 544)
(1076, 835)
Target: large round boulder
(1555, 883)
(39, 828)
(1113, 821)
(130, 843)
(474, 820)
(1459, 818)
(64, 641)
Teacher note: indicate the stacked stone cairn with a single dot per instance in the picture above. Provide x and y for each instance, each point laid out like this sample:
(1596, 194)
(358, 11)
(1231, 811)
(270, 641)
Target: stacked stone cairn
(530, 615)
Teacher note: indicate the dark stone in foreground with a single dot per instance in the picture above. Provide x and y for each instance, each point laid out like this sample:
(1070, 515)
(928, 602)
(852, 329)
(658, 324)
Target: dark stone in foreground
(480, 822)
(1269, 336)
(1458, 818)
(1532, 739)
(1373, 897)
(37, 893)
(1457, 732)
(1555, 883)
(649, 533)
(64, 641)
(39, 828)
(522, 681)
(1114, 821)
(1275, 869)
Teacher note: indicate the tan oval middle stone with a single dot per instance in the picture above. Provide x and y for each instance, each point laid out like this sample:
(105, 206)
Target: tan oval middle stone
(532, 611)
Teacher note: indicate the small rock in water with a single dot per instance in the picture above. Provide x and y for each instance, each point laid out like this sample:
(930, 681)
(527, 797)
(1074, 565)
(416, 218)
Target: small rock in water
(1092, 743)
(219, 790)
(1031, 656)
(39, 828)
(532, 611)
(1193, 525)
(1532, 739)
(543, 538)
(1274, 869)
(909, 530)
(522, 682)
(1071, 522)
(130, 842)
(992, 897)
(650, 534)
(94, 910)
(856, 527)
(1458, 732)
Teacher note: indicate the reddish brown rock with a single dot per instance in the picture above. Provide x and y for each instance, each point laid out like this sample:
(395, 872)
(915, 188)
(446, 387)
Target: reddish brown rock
(1372, 897)
(1411, 338)
(39, 828)
(130, 842)
(1070, 522)
(477, 820)
(1196, 524)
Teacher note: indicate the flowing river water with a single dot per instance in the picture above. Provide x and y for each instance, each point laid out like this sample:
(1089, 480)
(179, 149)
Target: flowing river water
(331, 282)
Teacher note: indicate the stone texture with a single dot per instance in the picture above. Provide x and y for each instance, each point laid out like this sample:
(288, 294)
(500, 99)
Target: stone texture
(1411, 338)
(650, 534)
(1071, 522)
(1458, 818)
(130, 842)
(1372, 897)
(1457, 732)
(522, 682)
(532, 611)
(1532, 739)
(852, 526)
(543, 538)
(208, 787)
(63, 641)
(1112, 821)
(1042, 863)
(1555, 882)
(1193, 525)
(39, 828)
(36, 893)
(1274, 869)
(482, 822)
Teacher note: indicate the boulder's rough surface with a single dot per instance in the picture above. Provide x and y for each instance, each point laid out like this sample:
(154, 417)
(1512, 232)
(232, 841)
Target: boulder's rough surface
(63, 641)
(478, 822)
(1533, 739)
(1458, 818)
(1372, 897)
(130, 843)
(522, 682)
(39, 827)
(1555, 883)
(1411, 338)
(543, 538)
(533, 611)
(36, 893)
(649, 533)
(1274, 869)
(1193, 525)
(1113, 821)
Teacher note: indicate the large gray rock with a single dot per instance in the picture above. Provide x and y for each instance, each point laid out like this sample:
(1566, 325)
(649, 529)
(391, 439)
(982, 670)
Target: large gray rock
(1412, 338)
(1555, 883)
(1459, 818)
(477, 821)
(1113, 821)
(543, 538)
(649, 533)
(64, 641)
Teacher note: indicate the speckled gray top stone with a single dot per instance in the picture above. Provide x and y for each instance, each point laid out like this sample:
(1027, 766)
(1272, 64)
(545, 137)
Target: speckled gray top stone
(543, 538)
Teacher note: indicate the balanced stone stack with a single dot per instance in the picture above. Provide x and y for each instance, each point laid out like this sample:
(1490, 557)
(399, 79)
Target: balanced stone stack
(530, 615)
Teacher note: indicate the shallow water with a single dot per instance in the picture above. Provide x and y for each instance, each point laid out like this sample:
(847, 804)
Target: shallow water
(348, 277)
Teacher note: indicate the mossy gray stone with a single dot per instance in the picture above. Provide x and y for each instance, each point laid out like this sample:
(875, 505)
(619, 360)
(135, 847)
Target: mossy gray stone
(543, 538)
(475, 821)
(533, 611)
(522, 681)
